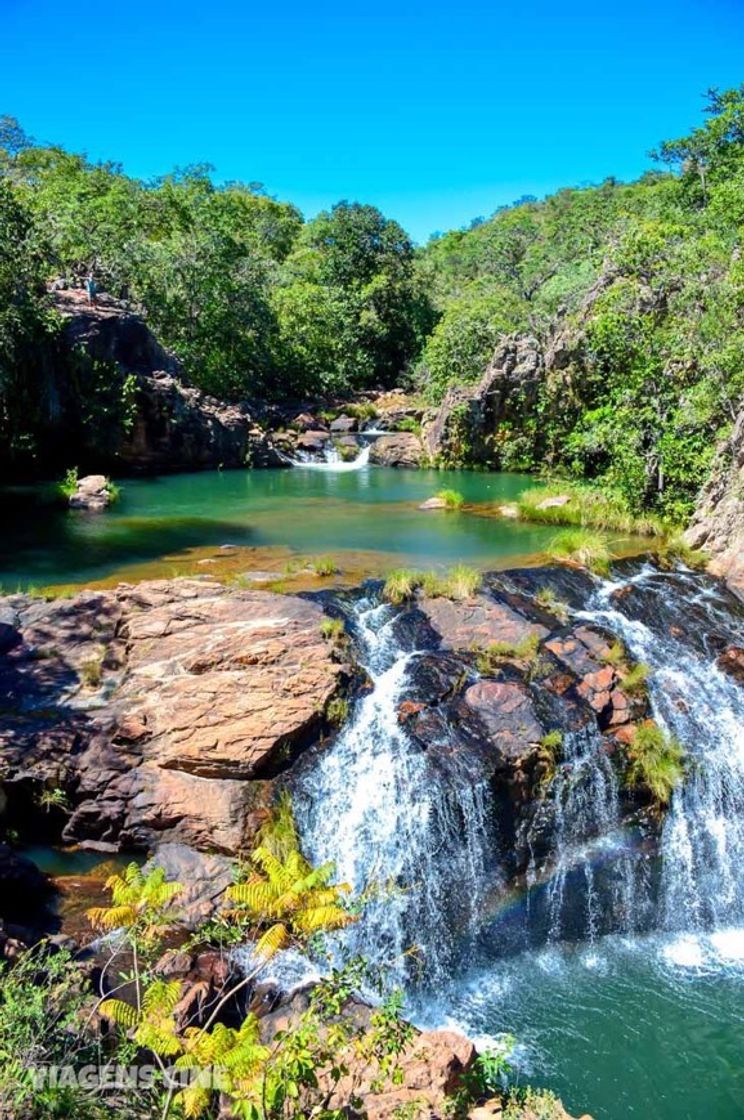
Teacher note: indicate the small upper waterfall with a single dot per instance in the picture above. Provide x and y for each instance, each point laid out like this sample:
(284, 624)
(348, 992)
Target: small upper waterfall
(417, 845)
(331, 460)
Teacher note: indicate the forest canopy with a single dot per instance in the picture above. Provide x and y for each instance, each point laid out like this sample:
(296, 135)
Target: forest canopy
(643, 281)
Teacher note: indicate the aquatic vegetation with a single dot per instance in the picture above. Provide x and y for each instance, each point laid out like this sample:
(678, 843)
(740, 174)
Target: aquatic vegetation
(583, 548)
(400, 585)
(452, 499)
(69, 484)
(656, 762)
(337, 710)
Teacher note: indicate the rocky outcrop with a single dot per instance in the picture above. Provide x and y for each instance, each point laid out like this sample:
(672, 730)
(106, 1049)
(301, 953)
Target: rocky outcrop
(163, 710)
(465, 429)
(170, 425)
(718, 522)
(399, 449)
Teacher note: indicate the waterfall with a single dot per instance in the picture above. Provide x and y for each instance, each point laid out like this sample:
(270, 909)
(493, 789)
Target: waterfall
(702, 845)
(415, 844)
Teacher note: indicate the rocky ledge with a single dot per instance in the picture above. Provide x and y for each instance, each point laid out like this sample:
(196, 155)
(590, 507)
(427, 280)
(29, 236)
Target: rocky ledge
(161, 711)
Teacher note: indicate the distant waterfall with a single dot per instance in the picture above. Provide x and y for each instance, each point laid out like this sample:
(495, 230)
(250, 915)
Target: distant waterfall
(702, 875)
(417, 843)
(331, 460)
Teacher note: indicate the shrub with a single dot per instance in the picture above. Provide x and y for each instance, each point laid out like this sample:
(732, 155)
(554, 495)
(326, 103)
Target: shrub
(583, 548)
(656, 762)
(451, 498)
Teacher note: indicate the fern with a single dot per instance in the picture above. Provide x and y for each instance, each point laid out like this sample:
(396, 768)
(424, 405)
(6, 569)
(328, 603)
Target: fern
(275, 938)
(121, 1013)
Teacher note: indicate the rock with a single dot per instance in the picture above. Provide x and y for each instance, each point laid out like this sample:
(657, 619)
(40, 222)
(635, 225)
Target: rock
(433, 503)
(731, 661)
(312, 441)
(507, 713)
(399, 449)
(204, 879)
(205, 694)
(464, 430)
(718, 522)
(432, 1069)
(92, 493)
(478, 622)
(342, 425)
(554, 503)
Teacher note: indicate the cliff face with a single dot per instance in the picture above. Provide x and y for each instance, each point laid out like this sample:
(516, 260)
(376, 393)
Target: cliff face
(718, 521)
(165, 424)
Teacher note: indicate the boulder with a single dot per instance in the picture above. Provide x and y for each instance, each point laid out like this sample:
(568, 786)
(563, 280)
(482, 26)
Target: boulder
(92, 493)
(399, 449)
(315, 440)
(718, 521)
(433, 503)
(165, 709)
(204, 879)
(342, 425)
(731, 661)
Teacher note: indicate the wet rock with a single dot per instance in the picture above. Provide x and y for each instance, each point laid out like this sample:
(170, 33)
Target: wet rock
(463, 430)
(342, 425)
(433, 503)
(203, 878)
(312, 440)
(507, 713)
(731, 661)
(478, 622)
(399, 449)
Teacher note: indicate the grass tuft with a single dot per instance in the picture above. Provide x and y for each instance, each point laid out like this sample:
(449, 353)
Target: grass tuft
(582, 547)
(635, 679)
(488, 659)
(549, 601)
(459, 582)
(656, 762)
(401, 585)
(587, 508)
(332, 629)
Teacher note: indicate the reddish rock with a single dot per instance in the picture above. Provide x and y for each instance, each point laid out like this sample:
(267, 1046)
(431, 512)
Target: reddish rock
(506, 712)
(478, 622)
(399, 449)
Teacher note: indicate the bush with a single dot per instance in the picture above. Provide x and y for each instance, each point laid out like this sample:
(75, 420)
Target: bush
(656, 762)
(583, 548)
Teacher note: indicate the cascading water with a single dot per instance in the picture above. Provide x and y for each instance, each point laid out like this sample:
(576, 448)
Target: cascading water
(702, 846)
(416, 844)
(331, 460)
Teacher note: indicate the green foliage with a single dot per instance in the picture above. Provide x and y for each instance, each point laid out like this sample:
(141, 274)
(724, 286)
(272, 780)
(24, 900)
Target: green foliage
(332, 629)
(69, 484)
(583, 548)
(615, 655)
(460, 582)
(337, 710)
(141, 904)
(656, 762)
(451, 498)
(588, 507)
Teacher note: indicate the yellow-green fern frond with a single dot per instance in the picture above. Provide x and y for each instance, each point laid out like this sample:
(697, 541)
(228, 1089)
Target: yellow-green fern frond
(121, 1013)
(112, 917)
(161, 997)
(193, 1101)
(273, 868)
(259, 897)
(317, 919)
(275, 938)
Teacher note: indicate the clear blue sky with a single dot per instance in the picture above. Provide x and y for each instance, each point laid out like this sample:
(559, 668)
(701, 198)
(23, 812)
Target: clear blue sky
(436, 112)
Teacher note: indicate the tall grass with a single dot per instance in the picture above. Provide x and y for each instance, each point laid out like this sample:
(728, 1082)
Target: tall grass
(459, 582)
(588, 508)
(581, 547)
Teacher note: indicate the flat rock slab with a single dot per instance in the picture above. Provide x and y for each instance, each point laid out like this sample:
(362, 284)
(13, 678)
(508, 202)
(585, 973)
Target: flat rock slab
(478, 622)
(158, 706)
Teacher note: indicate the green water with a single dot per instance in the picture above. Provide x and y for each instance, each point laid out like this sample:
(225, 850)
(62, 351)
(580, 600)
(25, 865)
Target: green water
(649, 1028)
(305, 510)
